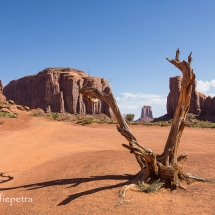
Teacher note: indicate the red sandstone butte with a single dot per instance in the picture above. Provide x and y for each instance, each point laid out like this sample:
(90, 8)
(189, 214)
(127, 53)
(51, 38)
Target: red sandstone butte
(200, 104)
(146, 114)
(56, 90)
(2, 97)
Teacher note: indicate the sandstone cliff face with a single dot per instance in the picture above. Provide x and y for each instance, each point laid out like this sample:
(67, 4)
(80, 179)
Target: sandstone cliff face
(9, 107)
(2, 97)
(146, 114)
(1, 86)
(172, 98)
(56, 90)
(199, 103)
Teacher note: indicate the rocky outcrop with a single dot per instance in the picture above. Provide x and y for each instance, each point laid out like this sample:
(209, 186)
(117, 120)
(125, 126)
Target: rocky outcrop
(172, 98)
(146, 114)
(56, 90)
(9, 107)
(195, 101)
(200, 104)
(1, 86)
(2, 97)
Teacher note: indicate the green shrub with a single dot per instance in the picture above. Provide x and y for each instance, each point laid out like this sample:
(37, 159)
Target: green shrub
(66, 117)
(53, 116)
(152, 188)
(85, 121)
(130, 117)
(37, 112)
(7, 115)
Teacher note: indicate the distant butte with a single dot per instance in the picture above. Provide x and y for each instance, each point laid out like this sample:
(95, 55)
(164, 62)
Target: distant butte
(146, 114)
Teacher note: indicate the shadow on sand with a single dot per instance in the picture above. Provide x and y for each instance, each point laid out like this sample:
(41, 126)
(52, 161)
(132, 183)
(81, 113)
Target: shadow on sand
(73, 182)
(7, 178)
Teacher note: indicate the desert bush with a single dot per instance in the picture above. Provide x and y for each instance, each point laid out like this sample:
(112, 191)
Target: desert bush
(37, 112)
(201, 124)
(129, 117)
(156, 185)
(53, 116)
(66, 117)
(85, 121)
(159, 123)
(7, 115)
(148, 124)
(112, 122)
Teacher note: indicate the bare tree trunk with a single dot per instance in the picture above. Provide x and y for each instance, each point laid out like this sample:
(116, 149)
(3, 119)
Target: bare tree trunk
(168, 165)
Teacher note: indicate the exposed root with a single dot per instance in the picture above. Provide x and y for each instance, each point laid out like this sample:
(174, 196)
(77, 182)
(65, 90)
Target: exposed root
(142, 176)
(125, 188)
(122, 202)
(191, 178)
(141, 180)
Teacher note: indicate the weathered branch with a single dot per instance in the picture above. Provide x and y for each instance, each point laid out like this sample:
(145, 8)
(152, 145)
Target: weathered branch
(147, 155)
(182, 109)
(144, 156)
(168, 165)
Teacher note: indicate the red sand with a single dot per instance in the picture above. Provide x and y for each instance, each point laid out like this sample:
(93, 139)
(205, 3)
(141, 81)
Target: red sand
(66, 168)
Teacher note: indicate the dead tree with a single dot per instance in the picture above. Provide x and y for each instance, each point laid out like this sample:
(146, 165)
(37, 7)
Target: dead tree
(167, 166)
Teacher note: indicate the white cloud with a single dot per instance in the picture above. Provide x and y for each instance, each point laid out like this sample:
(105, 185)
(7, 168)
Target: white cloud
(132, 103)
(127, 106)
(140, 96)
(213, 83)
(204, 86)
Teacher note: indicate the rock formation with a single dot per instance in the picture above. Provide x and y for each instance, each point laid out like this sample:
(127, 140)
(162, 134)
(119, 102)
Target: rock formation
(2, 97)
(56, 90)
(200, 104)
(9, 107)
(146, 114)
(172, 98)
(1, 86)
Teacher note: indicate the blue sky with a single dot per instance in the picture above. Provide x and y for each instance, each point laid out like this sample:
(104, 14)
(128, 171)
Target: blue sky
(122, 40)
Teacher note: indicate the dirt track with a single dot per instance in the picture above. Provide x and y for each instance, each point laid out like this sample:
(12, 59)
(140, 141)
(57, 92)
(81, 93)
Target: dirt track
(72, 169)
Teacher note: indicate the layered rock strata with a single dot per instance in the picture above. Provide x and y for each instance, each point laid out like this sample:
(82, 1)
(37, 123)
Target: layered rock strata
(56, 90)
(199, 103)
(2, 97)
(146, 114)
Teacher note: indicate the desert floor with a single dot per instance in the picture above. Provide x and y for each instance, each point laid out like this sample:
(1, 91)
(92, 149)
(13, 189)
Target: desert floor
(65, 168)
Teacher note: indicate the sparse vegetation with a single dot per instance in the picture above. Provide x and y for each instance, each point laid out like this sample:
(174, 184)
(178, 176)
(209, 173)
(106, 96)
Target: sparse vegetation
(130, 117)
(192, 120)
(98, 118)
(82, 119)
(53, 116)
(152, 188)
(38, 112)
(161, 123)
(66, 117)
(85, 121)
(7, 115)
(202, 124)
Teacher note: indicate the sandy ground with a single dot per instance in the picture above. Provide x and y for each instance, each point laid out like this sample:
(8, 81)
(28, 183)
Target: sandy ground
(63, 168)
